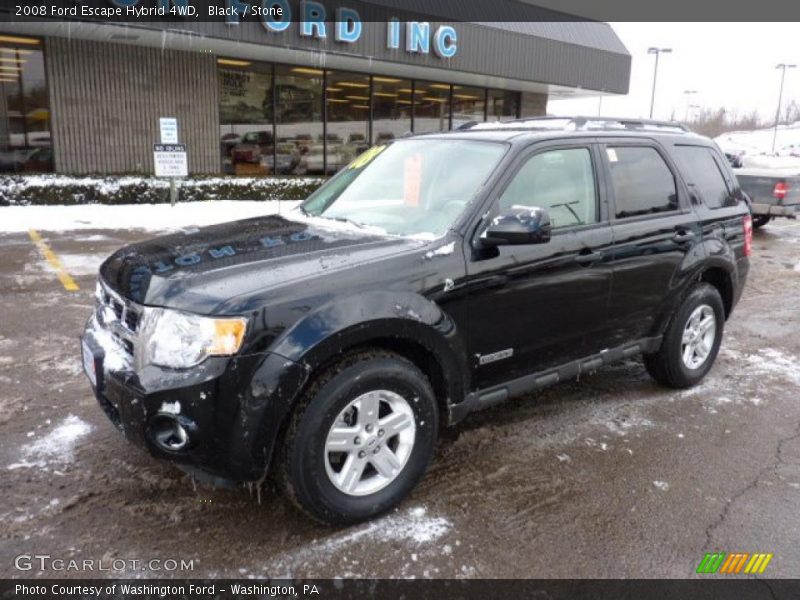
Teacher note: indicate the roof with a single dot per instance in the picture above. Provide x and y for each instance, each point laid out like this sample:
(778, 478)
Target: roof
(550, 127)
(590, 34)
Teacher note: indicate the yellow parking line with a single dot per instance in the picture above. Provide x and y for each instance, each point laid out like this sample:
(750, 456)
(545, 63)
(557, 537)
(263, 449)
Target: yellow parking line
(67, 281)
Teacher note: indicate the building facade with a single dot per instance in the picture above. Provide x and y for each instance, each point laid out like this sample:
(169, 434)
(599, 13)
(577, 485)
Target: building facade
(255, 97)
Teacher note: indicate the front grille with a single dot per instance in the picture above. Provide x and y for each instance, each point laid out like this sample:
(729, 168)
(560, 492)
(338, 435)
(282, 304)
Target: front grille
(119, 316)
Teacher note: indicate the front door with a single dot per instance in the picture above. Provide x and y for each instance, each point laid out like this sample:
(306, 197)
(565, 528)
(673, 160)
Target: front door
(536, 306)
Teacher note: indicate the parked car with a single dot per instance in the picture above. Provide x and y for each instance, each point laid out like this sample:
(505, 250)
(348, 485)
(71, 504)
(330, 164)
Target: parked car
(39, 160)
(434, 276)
(287, 158)
(337, 158)
(228, 141)
(773, 193)
(252, 147)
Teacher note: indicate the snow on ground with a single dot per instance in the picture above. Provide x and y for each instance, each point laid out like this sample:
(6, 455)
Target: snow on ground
(153, 217)
(81, 264)
(412, 528)
(58, 446)
(757, 146)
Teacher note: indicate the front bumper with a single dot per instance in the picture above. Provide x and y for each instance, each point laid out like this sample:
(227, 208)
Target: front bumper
(231, 408)
(777, 210)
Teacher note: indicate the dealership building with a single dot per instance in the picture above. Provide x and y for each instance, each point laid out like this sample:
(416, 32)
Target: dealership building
(302, 94)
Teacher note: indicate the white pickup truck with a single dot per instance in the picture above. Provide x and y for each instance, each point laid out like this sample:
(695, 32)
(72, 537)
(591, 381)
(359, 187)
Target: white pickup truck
(773, 193)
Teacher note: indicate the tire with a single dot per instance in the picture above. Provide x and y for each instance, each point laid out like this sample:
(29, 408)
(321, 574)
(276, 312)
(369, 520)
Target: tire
(341, 403)
(669, 366)
(760, 220)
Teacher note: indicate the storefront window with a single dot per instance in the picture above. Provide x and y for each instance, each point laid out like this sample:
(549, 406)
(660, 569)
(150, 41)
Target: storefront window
(24, 107)
(245, 111)
(391, 108)
(292, 120)
(298, 118)
(502, 105)
(432, 106)
(347, 129)
(468, 105)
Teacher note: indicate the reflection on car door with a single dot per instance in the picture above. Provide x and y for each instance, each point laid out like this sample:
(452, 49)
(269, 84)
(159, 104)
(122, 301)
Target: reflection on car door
(535, 306)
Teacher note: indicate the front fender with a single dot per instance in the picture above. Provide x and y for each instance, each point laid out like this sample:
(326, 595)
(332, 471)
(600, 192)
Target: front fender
(374, 316)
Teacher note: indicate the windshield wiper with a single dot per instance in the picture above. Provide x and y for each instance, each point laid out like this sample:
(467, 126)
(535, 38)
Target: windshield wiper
(345, 220)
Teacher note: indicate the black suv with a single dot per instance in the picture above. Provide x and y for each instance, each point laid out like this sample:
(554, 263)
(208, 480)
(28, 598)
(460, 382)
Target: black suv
(434, 276)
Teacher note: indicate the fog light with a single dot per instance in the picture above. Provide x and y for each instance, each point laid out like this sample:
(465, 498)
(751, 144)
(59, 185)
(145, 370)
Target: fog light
(168, 433)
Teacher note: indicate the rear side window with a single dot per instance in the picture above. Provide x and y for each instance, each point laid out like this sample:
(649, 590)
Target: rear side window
(642, 181)
(702, 171)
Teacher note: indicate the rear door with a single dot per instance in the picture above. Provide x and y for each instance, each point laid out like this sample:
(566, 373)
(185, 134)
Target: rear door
(656, 235)
(536, 306)
(719, 204)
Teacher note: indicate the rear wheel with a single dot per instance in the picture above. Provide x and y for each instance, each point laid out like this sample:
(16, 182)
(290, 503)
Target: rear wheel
(361, 439)
(760, 220)
(691, 341)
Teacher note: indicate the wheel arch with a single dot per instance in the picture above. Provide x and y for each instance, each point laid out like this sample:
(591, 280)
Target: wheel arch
(408, 324)
(722, 280)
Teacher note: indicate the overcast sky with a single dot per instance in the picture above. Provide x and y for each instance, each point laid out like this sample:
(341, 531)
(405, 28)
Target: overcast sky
(729, 64)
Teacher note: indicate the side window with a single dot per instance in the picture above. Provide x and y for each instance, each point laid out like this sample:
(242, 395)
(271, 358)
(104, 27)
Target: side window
(701, 170)
(562, 181)
(642, 181)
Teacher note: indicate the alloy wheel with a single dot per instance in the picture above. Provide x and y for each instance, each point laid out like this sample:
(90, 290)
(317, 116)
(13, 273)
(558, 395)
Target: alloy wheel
(370, 442)
(698, 336)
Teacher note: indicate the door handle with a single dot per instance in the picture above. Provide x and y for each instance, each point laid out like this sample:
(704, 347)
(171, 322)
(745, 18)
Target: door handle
(683, 236)
(585, 258)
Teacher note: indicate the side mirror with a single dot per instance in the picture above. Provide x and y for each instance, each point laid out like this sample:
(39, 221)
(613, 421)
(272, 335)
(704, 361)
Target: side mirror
(518, 225)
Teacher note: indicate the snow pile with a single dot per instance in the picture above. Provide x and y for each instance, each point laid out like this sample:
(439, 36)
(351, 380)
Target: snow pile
(756, 146)
(152, 217)
(58, 446)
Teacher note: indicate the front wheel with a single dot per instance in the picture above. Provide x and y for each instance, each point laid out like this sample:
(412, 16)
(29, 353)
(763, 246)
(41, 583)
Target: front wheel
(361, 439)
(691, 341)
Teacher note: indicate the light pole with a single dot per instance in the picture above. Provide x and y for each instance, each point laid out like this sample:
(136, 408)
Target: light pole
(783, 68)
(657, 52)
(688, 94)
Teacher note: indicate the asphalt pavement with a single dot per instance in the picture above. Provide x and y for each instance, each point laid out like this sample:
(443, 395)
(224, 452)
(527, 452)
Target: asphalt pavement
(608, 476)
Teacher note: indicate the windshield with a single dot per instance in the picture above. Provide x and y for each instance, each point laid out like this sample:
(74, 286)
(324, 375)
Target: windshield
(413, 187)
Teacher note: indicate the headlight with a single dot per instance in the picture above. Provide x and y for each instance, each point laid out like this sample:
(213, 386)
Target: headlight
(179, 340)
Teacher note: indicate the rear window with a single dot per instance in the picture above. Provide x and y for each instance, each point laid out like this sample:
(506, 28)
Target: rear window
(643, 183)
(701, 170)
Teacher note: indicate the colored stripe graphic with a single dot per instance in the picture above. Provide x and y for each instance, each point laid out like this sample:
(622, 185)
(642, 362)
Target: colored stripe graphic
(711, 562)
(758, 563)
(734, 563)
(67, 281)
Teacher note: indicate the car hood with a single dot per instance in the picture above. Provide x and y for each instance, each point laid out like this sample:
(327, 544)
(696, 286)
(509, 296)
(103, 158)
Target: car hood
(199, 269)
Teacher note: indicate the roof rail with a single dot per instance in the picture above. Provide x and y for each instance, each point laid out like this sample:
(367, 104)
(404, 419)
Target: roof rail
(582, 124)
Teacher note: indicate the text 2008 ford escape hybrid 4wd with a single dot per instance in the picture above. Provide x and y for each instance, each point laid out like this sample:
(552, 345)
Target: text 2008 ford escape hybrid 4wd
(432, 277)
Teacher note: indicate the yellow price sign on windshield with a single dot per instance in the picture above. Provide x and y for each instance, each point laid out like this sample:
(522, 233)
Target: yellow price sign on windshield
(365, 157)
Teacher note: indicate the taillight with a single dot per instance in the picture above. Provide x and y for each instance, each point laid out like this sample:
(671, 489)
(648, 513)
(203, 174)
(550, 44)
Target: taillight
(747, 222)
(780, 190)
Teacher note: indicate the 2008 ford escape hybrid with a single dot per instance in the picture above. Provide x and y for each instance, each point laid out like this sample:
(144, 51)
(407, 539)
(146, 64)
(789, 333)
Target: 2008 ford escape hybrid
(432, 277)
